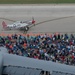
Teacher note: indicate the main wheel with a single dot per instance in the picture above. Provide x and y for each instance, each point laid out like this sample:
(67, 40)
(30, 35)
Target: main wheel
(26, 28)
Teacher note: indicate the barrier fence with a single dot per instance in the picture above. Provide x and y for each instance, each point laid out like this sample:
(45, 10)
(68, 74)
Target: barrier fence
(34, 34)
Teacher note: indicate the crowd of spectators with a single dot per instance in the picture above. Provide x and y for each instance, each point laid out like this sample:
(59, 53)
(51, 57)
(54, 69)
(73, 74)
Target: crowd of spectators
(57, 48)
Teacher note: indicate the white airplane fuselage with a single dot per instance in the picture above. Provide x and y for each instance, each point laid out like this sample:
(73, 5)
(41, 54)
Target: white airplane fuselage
(16, 25)
(22, 25)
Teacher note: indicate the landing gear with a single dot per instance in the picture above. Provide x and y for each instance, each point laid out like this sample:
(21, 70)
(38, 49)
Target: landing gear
(26, 28)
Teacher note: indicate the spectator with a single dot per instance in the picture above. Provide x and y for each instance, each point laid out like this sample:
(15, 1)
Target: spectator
(56, 48)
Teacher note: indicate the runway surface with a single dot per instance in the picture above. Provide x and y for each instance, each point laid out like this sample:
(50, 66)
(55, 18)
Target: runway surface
(49, 18)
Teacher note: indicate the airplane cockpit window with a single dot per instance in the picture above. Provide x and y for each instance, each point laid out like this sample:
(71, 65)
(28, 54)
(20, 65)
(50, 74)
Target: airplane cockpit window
(25, 21)
(21, 22)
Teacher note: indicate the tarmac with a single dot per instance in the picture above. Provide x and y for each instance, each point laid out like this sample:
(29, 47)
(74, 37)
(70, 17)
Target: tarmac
(49, 18)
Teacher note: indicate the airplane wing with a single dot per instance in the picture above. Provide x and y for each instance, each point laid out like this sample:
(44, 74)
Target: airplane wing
(26, 25)
(16, 70)
(11, 70)
(23, 26)
(14, 63)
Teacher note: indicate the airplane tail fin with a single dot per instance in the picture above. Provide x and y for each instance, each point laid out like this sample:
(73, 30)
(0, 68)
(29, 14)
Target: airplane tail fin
(4, 25)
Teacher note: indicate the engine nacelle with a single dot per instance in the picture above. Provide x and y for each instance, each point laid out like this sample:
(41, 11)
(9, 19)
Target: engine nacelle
(1, 63)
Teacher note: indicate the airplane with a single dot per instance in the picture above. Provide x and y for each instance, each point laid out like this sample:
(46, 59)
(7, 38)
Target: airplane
(11, 64)
(21, 25)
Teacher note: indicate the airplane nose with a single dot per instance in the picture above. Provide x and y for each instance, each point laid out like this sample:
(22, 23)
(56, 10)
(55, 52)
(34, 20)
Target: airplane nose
(33, 21)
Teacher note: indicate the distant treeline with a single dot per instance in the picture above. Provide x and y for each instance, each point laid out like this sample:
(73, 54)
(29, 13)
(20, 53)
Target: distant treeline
(35, 1)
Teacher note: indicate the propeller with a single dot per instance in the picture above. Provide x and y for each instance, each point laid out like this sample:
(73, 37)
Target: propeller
(33, 21)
